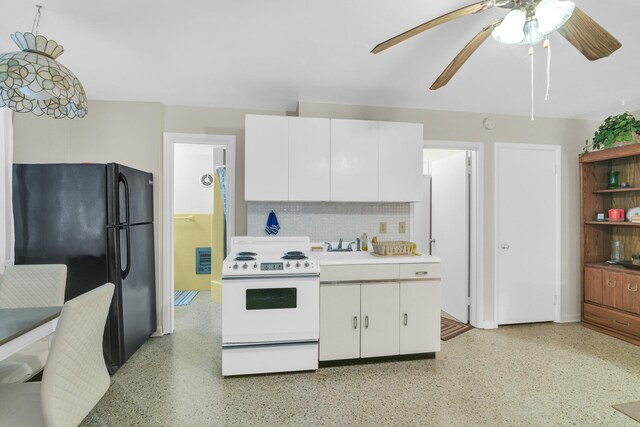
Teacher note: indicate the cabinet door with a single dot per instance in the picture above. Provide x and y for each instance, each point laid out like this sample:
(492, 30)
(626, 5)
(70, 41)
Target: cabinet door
(613, 289)
(309, 159)
(266, 166)
(339, 322)
(593, 284)
(631, 299)
(400, 162)
(419, 317)
(354, 160)
(379, 315)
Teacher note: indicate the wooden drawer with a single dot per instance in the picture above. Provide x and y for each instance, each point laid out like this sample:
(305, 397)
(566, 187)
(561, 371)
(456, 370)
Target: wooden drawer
(426, 271)
(593, 284)
(624, 323)
(631, 293)
(613, 289)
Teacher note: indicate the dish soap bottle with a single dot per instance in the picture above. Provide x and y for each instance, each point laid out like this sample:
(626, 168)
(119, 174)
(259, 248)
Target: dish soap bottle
(365, 246)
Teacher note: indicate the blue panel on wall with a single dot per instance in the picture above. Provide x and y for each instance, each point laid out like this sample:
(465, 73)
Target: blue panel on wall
(203, 260)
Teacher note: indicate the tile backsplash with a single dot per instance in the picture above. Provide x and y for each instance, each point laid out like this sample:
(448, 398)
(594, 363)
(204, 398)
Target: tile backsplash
(329, 221)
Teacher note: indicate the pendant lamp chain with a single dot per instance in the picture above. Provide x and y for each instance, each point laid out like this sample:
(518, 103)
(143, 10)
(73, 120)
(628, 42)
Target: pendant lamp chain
(36, 21)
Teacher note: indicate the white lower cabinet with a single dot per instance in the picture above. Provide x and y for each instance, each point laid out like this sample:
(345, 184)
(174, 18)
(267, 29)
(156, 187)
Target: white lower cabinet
(379, 308)
(339, 322)
(419, 317)
(359, 320)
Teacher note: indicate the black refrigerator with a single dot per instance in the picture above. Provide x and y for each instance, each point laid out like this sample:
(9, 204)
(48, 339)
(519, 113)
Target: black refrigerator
(98, 220)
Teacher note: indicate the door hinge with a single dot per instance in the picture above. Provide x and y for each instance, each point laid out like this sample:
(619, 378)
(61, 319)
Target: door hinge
(469, 301)
(469, 165)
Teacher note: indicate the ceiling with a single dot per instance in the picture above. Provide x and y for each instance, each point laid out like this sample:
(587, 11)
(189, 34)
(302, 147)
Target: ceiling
(271, 54)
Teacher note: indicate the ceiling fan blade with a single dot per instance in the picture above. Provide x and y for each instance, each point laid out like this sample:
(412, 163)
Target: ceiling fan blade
(463, 11)
(588, 36)
(464, 54)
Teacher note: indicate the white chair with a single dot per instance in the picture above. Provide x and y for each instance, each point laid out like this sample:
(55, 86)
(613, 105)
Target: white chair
(75, 377)
(21, 286)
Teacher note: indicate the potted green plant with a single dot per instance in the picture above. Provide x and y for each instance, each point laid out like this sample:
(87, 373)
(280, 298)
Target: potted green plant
(615, 130)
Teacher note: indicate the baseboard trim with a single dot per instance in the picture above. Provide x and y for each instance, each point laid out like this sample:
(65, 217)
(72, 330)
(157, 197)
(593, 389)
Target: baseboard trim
(488, 324)
(569, 318)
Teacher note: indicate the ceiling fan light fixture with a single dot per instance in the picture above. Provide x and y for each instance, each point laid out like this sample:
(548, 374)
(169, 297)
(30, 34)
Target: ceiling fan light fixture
(511, 30)
(553, 14)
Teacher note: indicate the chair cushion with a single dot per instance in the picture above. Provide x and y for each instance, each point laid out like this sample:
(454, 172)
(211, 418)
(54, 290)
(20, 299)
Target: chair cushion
(20, 405)
(40, 285)
(21, 366)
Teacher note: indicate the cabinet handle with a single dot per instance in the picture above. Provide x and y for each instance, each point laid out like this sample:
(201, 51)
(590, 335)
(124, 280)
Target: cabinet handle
(355, 322)
(611, 283)
(422, 273)
(620, 323)
(366, 321)
(633, 288)
(406, 319)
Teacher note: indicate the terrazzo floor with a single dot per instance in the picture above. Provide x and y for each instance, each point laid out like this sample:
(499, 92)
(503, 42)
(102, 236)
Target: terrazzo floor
(527, 375)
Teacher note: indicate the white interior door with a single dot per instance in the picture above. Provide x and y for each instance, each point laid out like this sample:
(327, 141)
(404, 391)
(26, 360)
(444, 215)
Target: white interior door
(527, 230)
(450, 231)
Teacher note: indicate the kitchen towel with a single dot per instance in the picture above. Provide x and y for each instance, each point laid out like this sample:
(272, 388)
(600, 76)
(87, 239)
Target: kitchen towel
(272, 224)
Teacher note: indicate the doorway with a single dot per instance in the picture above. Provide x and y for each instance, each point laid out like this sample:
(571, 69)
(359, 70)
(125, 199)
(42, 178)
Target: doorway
(527, 227)
(466, 298)
(173, 145)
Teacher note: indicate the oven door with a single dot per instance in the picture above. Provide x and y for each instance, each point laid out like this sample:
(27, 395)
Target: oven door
(270, 309)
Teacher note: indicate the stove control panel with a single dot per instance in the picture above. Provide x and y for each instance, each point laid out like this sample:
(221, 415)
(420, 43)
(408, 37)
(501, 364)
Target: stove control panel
(254, 267)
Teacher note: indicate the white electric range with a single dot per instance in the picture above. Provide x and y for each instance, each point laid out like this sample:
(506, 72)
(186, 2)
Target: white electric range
(270, 306)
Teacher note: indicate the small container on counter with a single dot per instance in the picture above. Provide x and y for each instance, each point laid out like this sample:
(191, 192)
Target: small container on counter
(635, 259)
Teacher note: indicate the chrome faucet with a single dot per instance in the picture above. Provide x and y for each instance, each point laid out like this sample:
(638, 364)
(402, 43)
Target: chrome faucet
(340, 244)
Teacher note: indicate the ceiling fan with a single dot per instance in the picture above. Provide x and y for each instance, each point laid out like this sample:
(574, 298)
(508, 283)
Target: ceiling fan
(528, 22)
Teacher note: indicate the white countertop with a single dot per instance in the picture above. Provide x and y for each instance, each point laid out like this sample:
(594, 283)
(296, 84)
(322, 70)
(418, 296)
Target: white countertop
(357, 258)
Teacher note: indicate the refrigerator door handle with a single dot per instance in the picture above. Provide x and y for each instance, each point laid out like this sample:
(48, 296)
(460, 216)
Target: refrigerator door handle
(124, 273)
(122, 178)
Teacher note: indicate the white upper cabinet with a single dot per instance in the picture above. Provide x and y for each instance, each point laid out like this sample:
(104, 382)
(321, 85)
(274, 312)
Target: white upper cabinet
(318, 159)
(309, 159)
(266, 158)
(354, 160)
(400, 162)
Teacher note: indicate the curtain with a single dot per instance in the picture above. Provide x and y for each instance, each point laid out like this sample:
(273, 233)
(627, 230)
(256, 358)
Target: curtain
(7, 238)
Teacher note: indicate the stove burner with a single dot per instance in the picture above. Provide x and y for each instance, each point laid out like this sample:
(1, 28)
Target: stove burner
(247, 254)
(244, 258)
(294, 256)
(294, 253)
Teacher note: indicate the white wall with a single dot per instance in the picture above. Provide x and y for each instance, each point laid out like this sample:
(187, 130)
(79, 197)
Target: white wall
(191, 161)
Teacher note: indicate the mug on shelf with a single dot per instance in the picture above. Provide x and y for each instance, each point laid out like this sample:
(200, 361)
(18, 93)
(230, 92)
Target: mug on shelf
(616, 214)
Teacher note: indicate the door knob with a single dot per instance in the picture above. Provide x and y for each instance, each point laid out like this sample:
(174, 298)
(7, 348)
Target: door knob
(432, 240)
(504, 246)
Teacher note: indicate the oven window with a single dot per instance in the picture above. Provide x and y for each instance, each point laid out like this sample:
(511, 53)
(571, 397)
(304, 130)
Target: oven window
(271, 299)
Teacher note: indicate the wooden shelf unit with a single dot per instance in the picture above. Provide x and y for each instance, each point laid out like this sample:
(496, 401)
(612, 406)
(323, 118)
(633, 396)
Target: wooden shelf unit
(609, 293)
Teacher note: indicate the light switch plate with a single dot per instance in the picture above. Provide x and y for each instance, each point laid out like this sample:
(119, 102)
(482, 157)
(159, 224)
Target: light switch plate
(383, 227)
(402, 227)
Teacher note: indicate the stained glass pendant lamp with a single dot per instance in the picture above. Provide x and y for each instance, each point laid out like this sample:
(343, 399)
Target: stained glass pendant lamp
(31, 80)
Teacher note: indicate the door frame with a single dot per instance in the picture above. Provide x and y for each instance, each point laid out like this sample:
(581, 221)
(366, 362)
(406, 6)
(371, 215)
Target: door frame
(557, 149)
(226, 142)
(476, 228)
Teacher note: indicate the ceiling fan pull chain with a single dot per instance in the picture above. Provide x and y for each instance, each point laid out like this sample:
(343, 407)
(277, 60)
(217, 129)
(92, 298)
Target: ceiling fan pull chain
(547, 46)
(531, 56)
